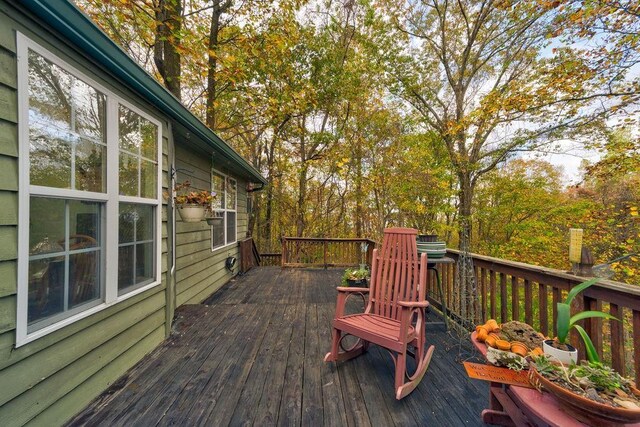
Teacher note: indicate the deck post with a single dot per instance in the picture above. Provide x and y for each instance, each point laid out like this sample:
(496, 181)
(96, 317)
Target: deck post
(324, 248)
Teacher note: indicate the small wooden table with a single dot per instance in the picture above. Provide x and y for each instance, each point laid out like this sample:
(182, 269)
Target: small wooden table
(432, 264)
(513, 405)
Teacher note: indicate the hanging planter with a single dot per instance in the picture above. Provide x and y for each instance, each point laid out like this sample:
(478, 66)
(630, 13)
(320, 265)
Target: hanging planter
(192, 204)
(216, 220)
(191, 212)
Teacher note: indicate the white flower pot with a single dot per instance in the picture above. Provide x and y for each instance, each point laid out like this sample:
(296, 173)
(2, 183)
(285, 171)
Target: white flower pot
(191, 212)
(566, 357)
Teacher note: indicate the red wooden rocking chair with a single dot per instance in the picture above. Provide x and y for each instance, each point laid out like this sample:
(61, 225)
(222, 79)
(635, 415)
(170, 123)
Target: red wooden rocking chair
(394, 317)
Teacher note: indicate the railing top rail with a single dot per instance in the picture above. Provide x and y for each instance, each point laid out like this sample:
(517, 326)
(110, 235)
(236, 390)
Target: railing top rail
(330, 239)
(554, 273)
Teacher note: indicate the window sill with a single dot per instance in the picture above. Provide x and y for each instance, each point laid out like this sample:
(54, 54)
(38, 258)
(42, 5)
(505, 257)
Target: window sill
(227, 246)
(28, 338)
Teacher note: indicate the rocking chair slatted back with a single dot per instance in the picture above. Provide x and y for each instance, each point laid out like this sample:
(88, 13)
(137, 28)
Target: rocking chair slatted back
(395, 273)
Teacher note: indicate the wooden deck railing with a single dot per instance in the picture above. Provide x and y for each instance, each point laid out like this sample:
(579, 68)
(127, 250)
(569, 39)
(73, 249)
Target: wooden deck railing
(504, 290)
(507, 290)
(270, 259)
(326, 252)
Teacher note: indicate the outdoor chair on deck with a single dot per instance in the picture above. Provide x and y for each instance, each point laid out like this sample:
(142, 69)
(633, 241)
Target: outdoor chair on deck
(395, 314)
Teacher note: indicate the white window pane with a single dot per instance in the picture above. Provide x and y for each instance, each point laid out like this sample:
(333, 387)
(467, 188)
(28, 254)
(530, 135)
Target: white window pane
(49, 93)
(84, 277)
(47, 225)
(231, 194)
(84, 223)
(91, 166)
(138, 141)
(50, 160)
(90, 111)
(126, 265)
(144, 224)
(231, 227)
(148, 179)
(61, 109)
(65, 264)
(149, 137)
(217, 184)
(46, 288)
(127, 223)
(128, 175)
(218, 231)
(129, 130)
(144, 263)
(135, 223)
(136, 254)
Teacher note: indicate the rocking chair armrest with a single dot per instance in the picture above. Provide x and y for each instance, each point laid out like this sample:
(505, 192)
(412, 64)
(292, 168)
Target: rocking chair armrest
(348, 289)
(414, 304)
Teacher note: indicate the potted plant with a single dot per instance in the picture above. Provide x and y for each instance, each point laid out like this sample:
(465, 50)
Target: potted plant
(428, 237)
(355, 277)
(591, 392)
(558, 348)
(191, 203)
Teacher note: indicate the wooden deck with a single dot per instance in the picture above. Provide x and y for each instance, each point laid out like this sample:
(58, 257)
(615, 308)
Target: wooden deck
(253, 356)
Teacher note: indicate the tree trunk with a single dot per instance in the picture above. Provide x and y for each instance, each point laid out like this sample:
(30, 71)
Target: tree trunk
(302, 199)
(465, 196)
(212, 64)
(268, 217)
(165, 52)
(359, 193)
(218, 9)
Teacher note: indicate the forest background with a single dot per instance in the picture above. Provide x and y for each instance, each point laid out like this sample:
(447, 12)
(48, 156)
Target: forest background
(435, 115)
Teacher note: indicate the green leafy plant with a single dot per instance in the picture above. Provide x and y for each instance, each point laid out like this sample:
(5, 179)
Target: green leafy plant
(587, 378)
(565, 321)
(354, 274)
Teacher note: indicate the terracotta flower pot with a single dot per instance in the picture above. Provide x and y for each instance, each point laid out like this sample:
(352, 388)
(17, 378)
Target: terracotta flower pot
(490, 341)
(492, 325)
(191, 212)
(519, 348)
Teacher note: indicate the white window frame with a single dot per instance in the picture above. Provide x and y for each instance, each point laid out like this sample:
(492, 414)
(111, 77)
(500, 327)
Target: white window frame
(110, 199)
(225, 210)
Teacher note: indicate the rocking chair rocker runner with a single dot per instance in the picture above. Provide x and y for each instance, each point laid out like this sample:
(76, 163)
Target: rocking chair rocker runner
(395, 314)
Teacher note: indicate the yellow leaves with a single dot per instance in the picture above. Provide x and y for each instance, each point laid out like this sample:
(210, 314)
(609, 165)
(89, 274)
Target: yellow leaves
(633, 210)
(342, 162)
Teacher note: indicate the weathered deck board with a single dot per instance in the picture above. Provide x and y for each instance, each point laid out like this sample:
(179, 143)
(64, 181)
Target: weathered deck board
(253, 356)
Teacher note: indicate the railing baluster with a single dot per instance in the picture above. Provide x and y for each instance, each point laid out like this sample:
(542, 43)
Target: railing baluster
(492, 285)
(451, 273)
(503, 298)
(483, 293)
(476, 299)
(556, 295)
(636, 344)
(543, 313)
(528, 302)
(617, 339)
(593, 325)
(515, 299)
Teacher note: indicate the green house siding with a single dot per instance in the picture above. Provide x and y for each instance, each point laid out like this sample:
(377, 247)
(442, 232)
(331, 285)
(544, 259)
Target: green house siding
(50, 379)
(199, 270)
